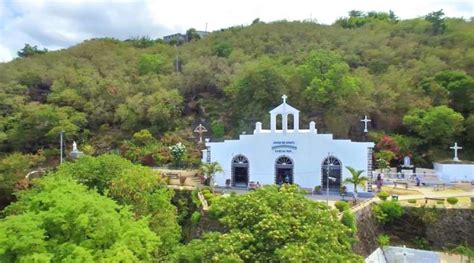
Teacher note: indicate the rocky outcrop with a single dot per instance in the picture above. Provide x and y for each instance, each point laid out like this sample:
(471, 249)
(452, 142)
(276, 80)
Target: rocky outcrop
(367, 231)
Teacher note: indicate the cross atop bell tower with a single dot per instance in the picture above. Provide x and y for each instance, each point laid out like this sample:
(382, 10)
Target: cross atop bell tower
(284, 110)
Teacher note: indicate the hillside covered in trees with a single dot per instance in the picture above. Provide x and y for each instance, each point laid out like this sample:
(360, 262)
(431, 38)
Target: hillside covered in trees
(414, 78)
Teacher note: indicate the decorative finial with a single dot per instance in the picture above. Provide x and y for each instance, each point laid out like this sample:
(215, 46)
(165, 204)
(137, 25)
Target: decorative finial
(284, 97)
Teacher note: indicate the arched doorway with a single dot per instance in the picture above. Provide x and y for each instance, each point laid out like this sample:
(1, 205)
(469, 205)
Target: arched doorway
(240, 171)
(283, 170)
(332, 166)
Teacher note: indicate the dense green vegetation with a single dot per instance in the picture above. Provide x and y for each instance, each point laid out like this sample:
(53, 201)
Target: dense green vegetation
(273, 225)
(141, 98)
(414, 78)
(108, 209)
(60, 220)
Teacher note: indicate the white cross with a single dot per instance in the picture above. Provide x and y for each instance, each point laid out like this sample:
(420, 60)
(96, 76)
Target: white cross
(365, 120)
(284, 97)
(404, 254)
(456, 148)
(200, 129)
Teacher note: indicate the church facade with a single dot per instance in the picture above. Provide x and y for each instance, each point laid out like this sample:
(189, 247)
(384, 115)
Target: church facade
(288, 155)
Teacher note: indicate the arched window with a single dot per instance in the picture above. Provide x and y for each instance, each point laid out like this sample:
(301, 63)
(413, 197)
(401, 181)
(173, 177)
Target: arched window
(279, 122)
(290, 122)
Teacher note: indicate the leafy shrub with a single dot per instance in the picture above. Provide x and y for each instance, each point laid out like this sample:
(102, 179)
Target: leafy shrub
(383, 240)
(412, 201)
(150, 63)
(217, 129)
(341, 205)
(427, 215)
(452, 200)
(441, 202)
(348, 219)
(317, 189)
(383, 195)
(195, 218)
(387, 211)
(421, 243)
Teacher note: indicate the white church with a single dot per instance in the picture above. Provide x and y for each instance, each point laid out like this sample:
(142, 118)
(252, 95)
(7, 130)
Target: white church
(298, 156)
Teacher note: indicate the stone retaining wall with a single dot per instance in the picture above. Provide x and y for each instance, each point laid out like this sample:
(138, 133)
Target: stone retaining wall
(448, 227)
(367, 231)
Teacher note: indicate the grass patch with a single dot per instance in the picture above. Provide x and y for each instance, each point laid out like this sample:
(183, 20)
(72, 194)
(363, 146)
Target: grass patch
(400, 191)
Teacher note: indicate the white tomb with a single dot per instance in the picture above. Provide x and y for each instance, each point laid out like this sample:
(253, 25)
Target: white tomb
(289, 154)
(455, 170)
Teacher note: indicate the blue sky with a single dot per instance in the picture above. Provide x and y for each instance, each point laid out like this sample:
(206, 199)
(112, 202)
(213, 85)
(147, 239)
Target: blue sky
(61, 23)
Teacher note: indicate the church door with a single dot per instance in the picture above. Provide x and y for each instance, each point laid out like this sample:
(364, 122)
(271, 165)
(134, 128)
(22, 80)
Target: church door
(284, 170)
(240, 171)
(331, 166)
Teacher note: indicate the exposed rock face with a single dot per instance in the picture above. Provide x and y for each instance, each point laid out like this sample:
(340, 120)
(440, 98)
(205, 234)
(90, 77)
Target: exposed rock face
(453, 226)
(206, 224)
(441, 228)
(367, 231)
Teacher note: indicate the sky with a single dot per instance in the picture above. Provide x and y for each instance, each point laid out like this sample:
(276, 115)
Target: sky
(62, 23)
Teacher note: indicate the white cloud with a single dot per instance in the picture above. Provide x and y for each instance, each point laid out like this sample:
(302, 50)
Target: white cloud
(58, 24)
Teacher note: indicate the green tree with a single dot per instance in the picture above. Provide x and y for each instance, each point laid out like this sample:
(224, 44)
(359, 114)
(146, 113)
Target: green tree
(255, 89)
(133, 185)
(383, 158)
(157, 111)
(222, 49)
(273, 225)
(143, 137)
(13, 170)
(150, 63)
(437, 125)
(60, 220)
(29, 50)
(39, 125)
(460, 88)
(191, 35)
(217, 128)
(438, 23)
(329, 84)
(469, 124)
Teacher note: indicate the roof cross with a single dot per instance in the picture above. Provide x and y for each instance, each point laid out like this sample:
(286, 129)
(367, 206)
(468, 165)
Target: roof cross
(284, 97)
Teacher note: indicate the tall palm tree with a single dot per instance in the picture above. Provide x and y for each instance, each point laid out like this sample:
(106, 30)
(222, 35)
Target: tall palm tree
(356, 179)
(210, 169)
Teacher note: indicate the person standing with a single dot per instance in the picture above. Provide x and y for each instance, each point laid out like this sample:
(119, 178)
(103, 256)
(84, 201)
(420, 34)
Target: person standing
(417, 179)
(378, 182)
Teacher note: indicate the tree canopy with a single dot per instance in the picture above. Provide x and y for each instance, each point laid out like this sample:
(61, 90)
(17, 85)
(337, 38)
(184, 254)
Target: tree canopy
(133, 185)
(60, 220)
(272, 224)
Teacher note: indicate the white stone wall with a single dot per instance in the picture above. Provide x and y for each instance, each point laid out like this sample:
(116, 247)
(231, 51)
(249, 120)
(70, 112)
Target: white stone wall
(311, 150)
(454, 172)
